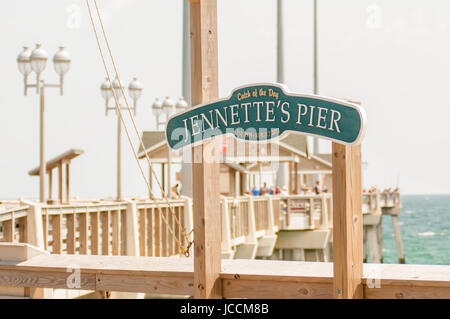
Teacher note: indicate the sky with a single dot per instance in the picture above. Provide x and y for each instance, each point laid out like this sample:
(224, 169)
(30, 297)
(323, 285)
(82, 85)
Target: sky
(393, 56)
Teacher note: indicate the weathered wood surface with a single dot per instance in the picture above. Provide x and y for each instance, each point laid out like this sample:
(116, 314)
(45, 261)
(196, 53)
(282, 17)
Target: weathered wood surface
(240, 278)
(347, 221)
(205, 88)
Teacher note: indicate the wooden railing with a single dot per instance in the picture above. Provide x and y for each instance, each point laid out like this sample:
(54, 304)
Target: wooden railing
(100, 228)
(93, 229)
(390, 199)
(25, 266)
(261, 207)
(238, 215)
(155, 237)
(13, 223)
(306, 211)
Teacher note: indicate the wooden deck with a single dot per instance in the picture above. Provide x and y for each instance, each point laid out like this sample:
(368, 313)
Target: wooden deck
(240, 278)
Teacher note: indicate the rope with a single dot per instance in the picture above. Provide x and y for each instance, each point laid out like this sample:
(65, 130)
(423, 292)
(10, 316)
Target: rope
(184, 250)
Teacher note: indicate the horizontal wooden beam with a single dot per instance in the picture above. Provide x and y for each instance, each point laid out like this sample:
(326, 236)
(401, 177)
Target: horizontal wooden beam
(240, 278)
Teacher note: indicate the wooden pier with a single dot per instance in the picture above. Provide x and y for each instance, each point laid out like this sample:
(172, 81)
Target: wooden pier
(294, 227)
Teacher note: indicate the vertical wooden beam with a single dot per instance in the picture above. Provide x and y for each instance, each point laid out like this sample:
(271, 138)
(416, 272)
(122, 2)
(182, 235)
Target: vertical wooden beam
(150, 181)
(163, 179)
(71, 233)
(296, 178)
(104, 219)
(56, 234)
(157, 228)
(142, 232)
(60, 181)
(68, 182)
(347, 221)
(290, 178)
(115, 220)
(95, 232)
(83, 225)
(50, 185)
(204, 86)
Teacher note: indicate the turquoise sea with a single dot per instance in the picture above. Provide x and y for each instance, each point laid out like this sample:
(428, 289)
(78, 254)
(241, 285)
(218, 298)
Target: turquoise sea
(425, 227)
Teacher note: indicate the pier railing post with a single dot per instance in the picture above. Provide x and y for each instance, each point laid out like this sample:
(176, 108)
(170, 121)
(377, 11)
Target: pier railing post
(226, 231)
(271, 217)
(188, 216)
(347, 222)
(35, 236)
(204, 86)
(132, 240)
(34, 228)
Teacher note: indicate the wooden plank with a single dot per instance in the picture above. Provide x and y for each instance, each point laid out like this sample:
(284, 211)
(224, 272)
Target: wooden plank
(177, 230)
(147, 284)
(50, 185)
(115, 232)
(123, 232)
(45, 228)
(83, 229)
(150, 231)
(204, 86)
(104, 219)
(142, 232)
(265, 289)
(164, 232)
(347, 221)
(60, 181)
(157, 228)
(71, 235)
(8, 230)
(241, 278)
(95, 233)
(68, 181)
(43, 279)
(170, 237)
(56, 234)
(22, 223)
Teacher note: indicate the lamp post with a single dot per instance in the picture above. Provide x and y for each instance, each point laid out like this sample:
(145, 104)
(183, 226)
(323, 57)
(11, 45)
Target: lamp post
(167, 107)
(36, 61)
(135, 91)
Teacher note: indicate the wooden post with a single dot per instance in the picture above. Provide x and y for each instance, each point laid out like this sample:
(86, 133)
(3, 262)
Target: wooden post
(163, 179)
(50, 185)
(68, 182)
(204, 86)
(347, 221)
(60, 182)
(296, 178)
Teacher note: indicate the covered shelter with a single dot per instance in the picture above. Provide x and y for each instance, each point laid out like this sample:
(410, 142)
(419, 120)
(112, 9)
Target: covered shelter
(243, 163)
(58, 162)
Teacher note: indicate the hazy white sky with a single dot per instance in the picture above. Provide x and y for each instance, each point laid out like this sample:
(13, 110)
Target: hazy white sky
(394, 56)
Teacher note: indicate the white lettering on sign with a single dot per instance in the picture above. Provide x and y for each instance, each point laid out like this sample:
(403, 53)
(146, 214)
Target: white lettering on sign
(309, 115)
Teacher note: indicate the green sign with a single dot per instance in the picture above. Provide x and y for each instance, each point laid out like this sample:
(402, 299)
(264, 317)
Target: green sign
(260, 112)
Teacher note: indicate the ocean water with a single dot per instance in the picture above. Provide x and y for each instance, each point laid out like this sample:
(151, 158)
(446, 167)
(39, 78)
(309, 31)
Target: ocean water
(425, 227)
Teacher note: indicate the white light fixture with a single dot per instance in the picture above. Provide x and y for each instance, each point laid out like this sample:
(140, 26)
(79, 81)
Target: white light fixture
(117, 88)
(157, 107)
(23, 61)
(106, 90)
(168, 106)
(181, 105)
(38, 59)
(135, 89)
(61, 61)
